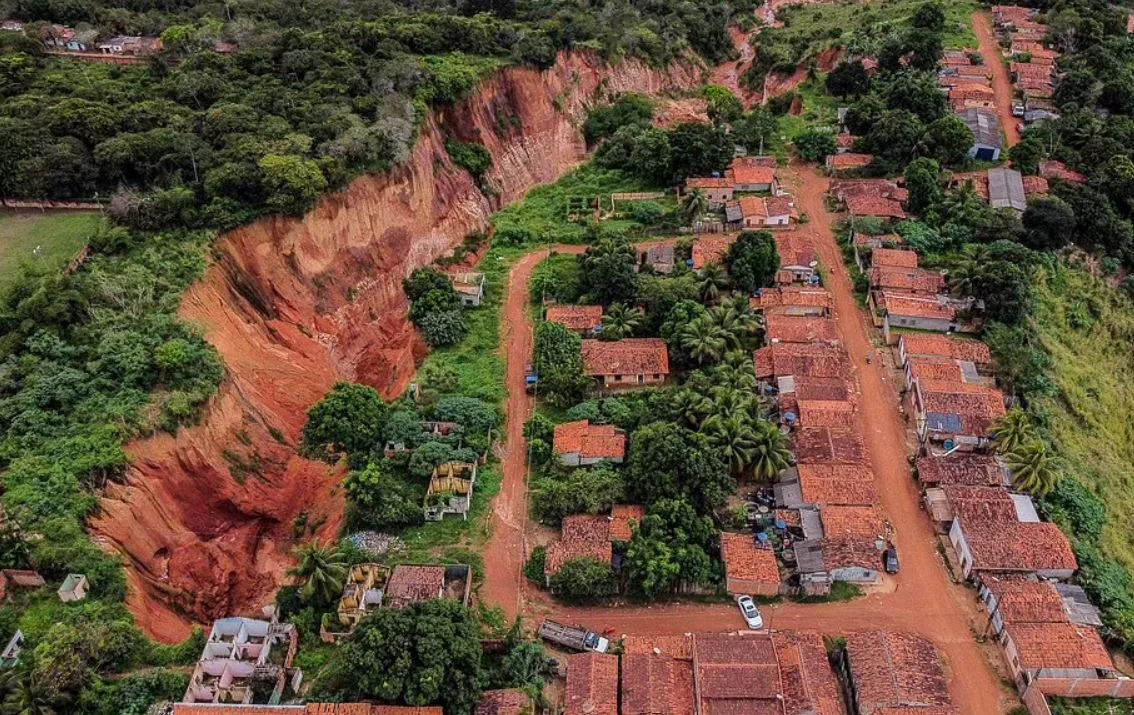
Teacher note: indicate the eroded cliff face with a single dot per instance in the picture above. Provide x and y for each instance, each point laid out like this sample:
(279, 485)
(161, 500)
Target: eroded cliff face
(206, 519)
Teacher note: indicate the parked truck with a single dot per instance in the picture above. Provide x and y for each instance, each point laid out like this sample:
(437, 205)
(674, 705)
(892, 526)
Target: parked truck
(574, 638)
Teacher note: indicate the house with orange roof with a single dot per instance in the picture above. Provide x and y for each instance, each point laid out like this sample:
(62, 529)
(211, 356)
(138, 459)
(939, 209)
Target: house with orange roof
(1016, 601)
(581, 444)
(909, 280)
(710, 249)
(592, 684)
(749, 568)
(626, 363)
(853, 522)
(797, 256)
(839, 484)
(800, 329)
(582, 536)
(955, 415)
(621, 518)
(581, 319)
(752, 177)
(717, 189)
(1006, 548)
(961, 469)
(928, 345)
(893, 258)
(801, 360)
(886, 670)
(918, 312)
(1057, 657)
(798, 300)
(849, 161)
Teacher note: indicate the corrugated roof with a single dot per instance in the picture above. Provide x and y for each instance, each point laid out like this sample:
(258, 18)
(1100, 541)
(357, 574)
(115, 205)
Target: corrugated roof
(984, 125)
(1006, 189)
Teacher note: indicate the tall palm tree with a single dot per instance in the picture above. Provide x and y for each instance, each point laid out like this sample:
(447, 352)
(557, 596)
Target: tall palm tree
(963, 271)
(728, 401)
(734, 438)
(772, 455)
(1013, 431)
(322, 570)
(691, 407)
(1033, 468)
(620, 321)
(694, 204)
(710, 282)
(26, 695)
(704, 340)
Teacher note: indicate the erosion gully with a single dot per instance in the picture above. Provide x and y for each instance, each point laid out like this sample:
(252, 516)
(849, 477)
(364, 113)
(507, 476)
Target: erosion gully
(925, 600)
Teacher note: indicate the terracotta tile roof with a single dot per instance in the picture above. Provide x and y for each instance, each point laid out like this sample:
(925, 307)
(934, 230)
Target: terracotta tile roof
(710, 249)
(846, 141)
(752, 206)
(843, 445)
(765, 161)
(1028, 69)
(781, 205)
(802, 360)
(808, 683)
(746, 173)
(935, 367)
(895, 669)
(510, 701)
(832, 483)
(878, 188)
(592, 685)
(850, 160)
(1010, 12)
(850, 553)
(736, 673)
(960, 469)
(581, 536)
(1021, 46)
(745, 561)
(1036, 186)
(823, 388)
(629, 356)
(915, 279)
(1052, 169)
(977, 406)
(1060, 646)
(824, 413)
(590, 441)
(874, 206)
(217, 709)
(916, 306)
(675, 646)
(852, 522)
(656, 684)
(979, 180)
(955, 80)
(620, 517)
(893, 258)
(942, 710)
(980, 504)
(414, 584)
(1026, 546)
(800, 329)
(575, 317)
(971, 90)
(1027, 601)
(974, 71)
(708, 182)
(794, 249)
(792, 296)
(958, 348)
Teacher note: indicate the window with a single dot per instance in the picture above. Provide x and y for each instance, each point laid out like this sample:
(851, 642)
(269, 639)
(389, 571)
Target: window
(641, 379)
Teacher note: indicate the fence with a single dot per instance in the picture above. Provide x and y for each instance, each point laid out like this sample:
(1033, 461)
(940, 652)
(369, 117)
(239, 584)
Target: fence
(47, 205)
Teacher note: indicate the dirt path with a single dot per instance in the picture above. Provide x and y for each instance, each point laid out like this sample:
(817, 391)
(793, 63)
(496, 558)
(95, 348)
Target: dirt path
(1001, 82)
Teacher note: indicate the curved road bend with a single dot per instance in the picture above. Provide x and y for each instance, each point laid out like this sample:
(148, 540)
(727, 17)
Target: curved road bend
(924, 602)
(1001, 82)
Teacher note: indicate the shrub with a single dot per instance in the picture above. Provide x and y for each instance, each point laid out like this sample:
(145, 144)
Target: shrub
(583, 580)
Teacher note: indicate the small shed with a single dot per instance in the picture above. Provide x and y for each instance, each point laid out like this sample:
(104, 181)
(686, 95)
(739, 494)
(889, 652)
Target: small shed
(74, 588)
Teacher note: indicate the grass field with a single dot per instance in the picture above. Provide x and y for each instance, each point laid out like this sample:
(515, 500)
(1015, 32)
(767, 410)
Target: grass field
(49, 240)
(1091, 706)
(1088, 328)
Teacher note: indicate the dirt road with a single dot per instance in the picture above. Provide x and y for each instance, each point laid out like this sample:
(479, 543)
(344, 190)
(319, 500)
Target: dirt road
(1001, 82)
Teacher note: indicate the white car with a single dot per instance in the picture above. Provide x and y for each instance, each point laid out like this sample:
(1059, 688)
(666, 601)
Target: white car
(750, 612)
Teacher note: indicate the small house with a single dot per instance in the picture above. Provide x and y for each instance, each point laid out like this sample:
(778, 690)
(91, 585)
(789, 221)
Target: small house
(848, 161)
(961, 349)
(892, 672)
(748, 175)
(131, 45)
(74, 588)
(450, 490)
(956, 415)
(1055, 656)
(417, 583)
(1038, 548)
(874, 207)
(749, 568)
(987, 138)
(580, 536)
(1006, 190)
(592, 684)
(81, 41)
(631, 362)
(800, 329)
(919, 312)
(582, 319)
(718, 190)
(710, 249)
(797, 256)
(11, 26)
(1014, 601)
(470, 288)
(659, 258)
(797, 300)
(580, 444)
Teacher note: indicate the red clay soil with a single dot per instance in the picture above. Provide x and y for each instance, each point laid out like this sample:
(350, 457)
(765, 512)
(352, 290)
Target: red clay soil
(1001, 82)
(924, 600)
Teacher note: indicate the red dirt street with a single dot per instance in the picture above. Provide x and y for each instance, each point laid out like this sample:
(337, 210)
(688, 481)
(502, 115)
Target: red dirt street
(1001, 82)
(925, 601)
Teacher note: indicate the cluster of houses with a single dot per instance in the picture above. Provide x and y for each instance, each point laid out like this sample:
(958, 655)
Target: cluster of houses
(1032, 65)
(749, 193)
(510, 701)
(88, 43)
(782, 672)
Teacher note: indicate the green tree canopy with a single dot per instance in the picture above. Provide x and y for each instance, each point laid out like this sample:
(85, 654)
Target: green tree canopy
(348, 420)
(668, 461)
(752, 260)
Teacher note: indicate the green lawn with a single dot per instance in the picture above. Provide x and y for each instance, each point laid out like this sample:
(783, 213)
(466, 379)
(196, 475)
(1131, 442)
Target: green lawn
(49, 240)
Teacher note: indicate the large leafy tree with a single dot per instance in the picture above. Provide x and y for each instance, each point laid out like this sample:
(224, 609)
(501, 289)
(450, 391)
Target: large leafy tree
(348, 420)
(609, 274)
(698, 150)
(558, 359)
(426, 654)
(752, 260)
(583, 580)
(668, 461)
(670, 548)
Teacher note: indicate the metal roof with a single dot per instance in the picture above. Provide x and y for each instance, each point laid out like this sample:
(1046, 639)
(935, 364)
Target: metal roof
(984, 125)
(942, 422)
(1006, 189)
(809, 556)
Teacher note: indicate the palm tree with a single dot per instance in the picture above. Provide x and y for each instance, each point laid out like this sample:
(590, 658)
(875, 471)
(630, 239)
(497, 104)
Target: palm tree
(25, 695)
(694, 204)
(322, 569)
(691, 407)
(1013, 431)
(735, 439)
(1033, 468)
(727, 401)
(704, 340)
(772, 454)
(710, 282)
(620, 321)
(964, 271)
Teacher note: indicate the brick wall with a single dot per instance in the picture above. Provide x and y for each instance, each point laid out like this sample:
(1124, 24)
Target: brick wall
(1087, 687)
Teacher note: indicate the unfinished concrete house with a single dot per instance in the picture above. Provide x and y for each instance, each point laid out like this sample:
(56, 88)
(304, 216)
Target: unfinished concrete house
(363, 592)
(450, 490)
(244, 661)
(470, 288)
(417, 583)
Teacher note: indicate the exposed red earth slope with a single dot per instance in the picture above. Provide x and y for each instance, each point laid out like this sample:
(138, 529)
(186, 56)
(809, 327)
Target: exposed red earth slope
(205, 519)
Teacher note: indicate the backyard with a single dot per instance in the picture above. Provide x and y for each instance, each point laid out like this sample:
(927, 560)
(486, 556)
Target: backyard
(46, 240)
